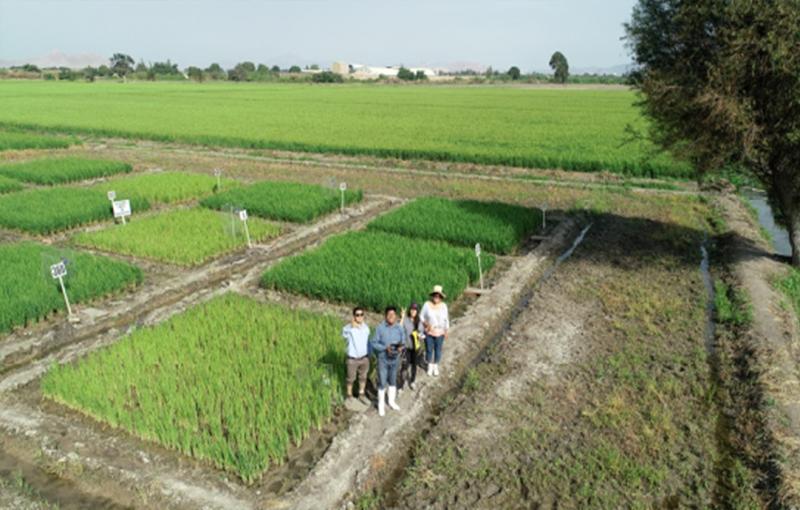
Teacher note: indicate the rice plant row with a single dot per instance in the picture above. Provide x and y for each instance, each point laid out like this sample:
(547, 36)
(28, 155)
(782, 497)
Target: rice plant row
(164, 187)
(185, 237)
(582, 130)
(18, 140)
(232, 381)
(29, 293)
(43, 211)
(8, 185)
(376, 269)
(60, 170)
(286, 201)
(498, 227)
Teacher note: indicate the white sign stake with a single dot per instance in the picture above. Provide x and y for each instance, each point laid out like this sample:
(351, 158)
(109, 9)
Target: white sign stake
(58, 272)
(217, 174)
(544, 217)
(478, 254)
(122, 208)
(112, 195)
(243, 217)
(343, 188)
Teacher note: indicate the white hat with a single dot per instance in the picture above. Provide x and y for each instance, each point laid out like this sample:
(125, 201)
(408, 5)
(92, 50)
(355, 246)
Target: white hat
(437, 289)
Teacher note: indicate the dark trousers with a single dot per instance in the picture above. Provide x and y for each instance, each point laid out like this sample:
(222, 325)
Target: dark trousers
(408, 370)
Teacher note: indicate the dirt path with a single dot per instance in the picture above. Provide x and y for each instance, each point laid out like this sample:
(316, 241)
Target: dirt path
(774, 337)
(599, 395)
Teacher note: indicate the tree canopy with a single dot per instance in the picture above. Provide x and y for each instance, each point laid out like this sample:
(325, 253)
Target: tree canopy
(560, 67)
(720, 81)
(121, 64)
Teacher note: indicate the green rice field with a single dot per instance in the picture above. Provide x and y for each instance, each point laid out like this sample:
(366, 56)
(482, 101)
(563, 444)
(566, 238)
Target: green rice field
(8, 185)
(498, 227)
(375, 269)
(60, 170)
(48, 210)
(573, 129)
(232, 381)
(185, 237)
(163, 187)
(29, 293)
(286, 201)
(16, 140)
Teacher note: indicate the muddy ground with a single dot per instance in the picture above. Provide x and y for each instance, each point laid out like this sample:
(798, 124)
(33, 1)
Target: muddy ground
(600, 385)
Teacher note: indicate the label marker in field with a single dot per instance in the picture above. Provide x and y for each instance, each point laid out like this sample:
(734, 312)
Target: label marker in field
(478, 255)
(544, 216)
(58, 271)
(342, 188)
(243, 218)
(122, 208)
(218, 174)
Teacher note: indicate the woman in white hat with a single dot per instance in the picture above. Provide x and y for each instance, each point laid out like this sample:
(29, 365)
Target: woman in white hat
(436, 320)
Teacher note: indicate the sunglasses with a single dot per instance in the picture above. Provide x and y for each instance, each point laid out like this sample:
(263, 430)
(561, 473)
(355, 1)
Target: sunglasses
(359, 314)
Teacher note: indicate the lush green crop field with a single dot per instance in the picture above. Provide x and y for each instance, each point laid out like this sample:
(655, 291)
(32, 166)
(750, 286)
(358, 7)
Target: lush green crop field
(164, 187)
(15, 140)
(287, 201)
(43, 211)
(791, 286)
(498, 227)
(375, 269)
(59, 170)
(232, 381)
(572, 129)
(8, 185)
(28, 292)
(185, 237)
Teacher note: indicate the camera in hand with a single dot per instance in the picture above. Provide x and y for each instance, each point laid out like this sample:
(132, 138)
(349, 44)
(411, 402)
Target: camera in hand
(394, 350)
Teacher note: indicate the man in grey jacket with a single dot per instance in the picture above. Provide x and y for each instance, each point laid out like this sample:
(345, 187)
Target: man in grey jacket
(388, 344)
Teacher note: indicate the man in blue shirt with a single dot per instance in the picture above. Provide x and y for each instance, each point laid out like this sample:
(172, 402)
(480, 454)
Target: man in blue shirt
(388, 345)
(356, 336)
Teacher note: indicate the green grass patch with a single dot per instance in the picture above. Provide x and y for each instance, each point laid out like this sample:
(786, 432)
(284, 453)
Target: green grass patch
(583, 130)
(60, 170)
(17, 140)
(731, 305)
(233, 381)
(791, 287)
(164, 187)
(29, 293)
(498, 227)
(375, 269)
(184, 237)
(285, 201)
(43, 211)
(8, 185)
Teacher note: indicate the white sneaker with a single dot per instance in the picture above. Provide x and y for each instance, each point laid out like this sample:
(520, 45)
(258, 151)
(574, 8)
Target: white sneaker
(435, 369)
(430, 369)
(392, 395)
(381, 405)
(412, 386)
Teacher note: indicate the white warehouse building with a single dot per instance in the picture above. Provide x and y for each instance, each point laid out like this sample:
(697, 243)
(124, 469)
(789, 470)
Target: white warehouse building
(365, 72)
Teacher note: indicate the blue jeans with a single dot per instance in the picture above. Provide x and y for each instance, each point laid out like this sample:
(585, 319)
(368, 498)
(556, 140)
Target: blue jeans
(387, 371)
(433, 348)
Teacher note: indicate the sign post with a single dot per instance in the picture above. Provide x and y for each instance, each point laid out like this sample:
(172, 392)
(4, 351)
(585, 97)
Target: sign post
(112, 195)
(122, 208)
(544, 216)
(243, 217)
(480, 270)
(342, 188)
(58, 272)
(217, 174)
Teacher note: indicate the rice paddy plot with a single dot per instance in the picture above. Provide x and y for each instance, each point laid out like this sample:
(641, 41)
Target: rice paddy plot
(44, 211)
(8, 185)
(376, 269)
(286, 201)
(164, 187)
(29, 293)
(60, 170)
(232, 381)
(185, 237)
(18, 140)
(498, 227)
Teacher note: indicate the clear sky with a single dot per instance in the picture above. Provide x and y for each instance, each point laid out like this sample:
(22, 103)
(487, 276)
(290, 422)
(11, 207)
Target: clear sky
(500, 33)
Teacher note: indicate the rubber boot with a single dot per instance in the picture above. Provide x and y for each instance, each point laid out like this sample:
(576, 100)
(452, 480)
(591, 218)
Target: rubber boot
(381, 408)
(392, 396)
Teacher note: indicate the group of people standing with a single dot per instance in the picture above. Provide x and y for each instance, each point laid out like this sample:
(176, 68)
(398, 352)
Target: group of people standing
(397, 344)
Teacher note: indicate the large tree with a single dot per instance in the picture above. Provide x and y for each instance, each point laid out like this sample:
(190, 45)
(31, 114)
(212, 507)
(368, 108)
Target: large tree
(560, 67)
(121, 64)
(720, 81)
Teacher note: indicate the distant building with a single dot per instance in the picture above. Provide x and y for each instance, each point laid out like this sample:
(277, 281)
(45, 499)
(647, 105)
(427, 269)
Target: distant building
(365, 72)
(340, 68)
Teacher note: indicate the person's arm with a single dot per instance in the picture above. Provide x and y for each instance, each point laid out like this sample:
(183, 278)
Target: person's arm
(378, 341)
(446, 321)
(424, 317)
